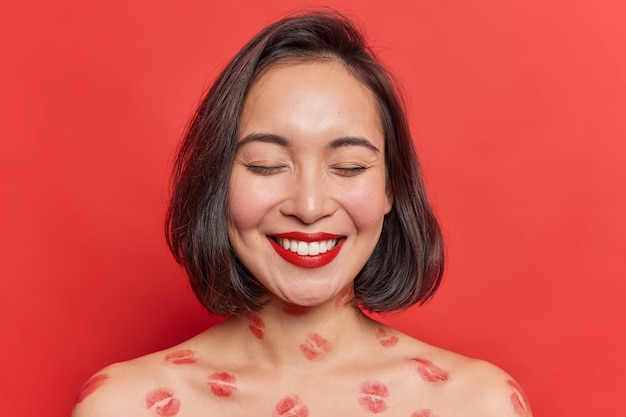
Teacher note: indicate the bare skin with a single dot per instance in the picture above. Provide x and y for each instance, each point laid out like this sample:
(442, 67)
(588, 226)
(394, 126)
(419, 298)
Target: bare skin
(310, 163)
(236, 373)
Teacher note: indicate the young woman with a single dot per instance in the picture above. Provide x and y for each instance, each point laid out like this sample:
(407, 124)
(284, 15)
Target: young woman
(298, 203)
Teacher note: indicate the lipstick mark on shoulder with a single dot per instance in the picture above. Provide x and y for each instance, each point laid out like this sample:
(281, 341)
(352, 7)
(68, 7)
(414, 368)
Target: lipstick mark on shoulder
(315, 347)
(291, 406)
(374, 396)
(162, 402)
(183, 356)
(385, 339)
(424, 413)
(90, 386)
(519, 400)
(255, 324)
(430, 372)
(222, 384)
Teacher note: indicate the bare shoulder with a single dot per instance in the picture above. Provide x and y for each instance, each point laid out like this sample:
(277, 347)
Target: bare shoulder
(110, 391)
(139, 385)
(489, 390)
(453, 384)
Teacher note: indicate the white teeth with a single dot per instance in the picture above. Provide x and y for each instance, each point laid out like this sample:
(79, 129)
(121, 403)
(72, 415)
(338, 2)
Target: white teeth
(314, 248)
(307, 248)
(303, 248)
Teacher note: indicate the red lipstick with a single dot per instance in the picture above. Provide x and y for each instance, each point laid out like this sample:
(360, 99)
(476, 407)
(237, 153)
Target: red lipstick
(291, 406)
(183, 356)
(222, 384)
(90, 386)
(386, 340)
(308, 237)
(307, 261)
(518, 399)
(374, 396)
(162, 402)
(429, 371)
(315, 347)
(423, 413)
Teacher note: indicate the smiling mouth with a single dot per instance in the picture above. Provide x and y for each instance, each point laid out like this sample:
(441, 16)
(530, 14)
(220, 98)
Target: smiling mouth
(307, 250)
(303, 248)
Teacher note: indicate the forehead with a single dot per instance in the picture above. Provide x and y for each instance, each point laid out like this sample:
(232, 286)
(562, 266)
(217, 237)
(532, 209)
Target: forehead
(313, 97)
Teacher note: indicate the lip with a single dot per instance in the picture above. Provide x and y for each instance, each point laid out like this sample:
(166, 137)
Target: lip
(307, 261)
(307, 237)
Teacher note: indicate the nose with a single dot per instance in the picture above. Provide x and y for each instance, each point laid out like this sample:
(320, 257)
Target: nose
(309, 198)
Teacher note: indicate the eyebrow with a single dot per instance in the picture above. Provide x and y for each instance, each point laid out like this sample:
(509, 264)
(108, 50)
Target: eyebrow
(281, 141)
(263, 137)
(352, 141)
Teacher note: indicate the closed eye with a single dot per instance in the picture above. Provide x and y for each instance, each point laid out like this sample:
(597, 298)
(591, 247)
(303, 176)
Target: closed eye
(264, 169)
(349, 171)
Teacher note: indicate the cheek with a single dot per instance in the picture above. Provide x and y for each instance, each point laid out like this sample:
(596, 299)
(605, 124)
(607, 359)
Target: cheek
(366, 205)
(247, 205)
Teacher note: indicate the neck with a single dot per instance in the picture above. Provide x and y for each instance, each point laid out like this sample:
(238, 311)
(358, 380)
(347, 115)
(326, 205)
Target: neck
(283, 335)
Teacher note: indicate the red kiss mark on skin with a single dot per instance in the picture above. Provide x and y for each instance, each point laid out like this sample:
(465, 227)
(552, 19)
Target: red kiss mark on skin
(181, 357)
(374, 396)
(344, 298)
(291, 406)
(423, 413)
(295, 310)
(386, 340)
(255, 324)
(518, 399)
(315, 347)
(222, 384)
(162, 402)
(429, 371)
(90, 386)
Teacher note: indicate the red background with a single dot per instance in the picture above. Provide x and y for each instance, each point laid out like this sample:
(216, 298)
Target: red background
(519, 113)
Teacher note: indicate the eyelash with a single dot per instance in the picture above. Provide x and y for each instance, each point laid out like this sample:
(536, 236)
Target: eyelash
(346, 172)
(349, 172)
(264, 170)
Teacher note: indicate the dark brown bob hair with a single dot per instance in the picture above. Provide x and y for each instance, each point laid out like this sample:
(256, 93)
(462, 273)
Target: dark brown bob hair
(406, 265)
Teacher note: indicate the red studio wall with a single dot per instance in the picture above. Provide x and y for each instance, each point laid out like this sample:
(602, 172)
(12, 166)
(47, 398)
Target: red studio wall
(518, 110)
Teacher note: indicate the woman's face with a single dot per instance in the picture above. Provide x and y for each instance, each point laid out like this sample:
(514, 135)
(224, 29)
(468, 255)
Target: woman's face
(308, 190)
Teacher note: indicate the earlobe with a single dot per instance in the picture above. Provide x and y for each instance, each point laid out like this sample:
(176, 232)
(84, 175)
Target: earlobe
(388, 199)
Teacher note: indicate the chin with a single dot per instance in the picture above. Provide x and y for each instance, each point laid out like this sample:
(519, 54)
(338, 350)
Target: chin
(309, 298)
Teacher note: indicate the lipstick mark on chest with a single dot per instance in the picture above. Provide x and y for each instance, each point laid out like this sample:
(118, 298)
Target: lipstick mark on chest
(255, 324)
(423, 413)
(222, 384)
(385, 339)
(162, 402)
(430, 372)
(519, 400)
(90, 386)
(291, 406)
(180, 357)
(373, 396)
(315, 347)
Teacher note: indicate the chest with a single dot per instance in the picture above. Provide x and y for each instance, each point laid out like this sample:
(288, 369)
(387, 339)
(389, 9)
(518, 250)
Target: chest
(310, 396)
